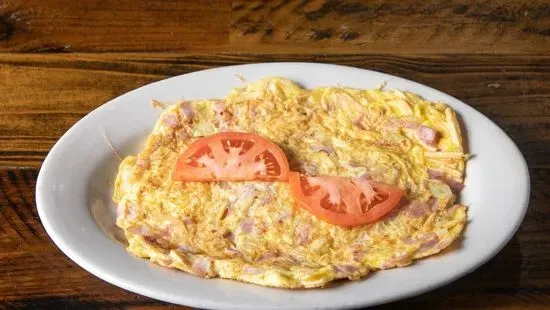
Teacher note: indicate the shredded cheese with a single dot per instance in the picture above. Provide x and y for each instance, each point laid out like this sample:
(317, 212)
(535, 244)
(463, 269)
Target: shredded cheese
(104, 134)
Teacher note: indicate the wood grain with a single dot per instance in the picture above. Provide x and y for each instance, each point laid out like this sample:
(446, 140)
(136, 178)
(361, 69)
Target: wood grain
(126, 25)
(281, 26)
(391, 26)
(43, 95)
(34, 274)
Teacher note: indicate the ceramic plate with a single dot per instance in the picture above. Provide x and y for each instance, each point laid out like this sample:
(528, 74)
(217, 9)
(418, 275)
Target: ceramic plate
(74, 190)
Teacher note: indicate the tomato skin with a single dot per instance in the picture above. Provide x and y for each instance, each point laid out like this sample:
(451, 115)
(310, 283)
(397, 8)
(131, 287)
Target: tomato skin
(232, 156)
(350, 196)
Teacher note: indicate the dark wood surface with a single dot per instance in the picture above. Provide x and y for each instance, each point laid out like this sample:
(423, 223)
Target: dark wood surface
(336, 26)
(60, 59)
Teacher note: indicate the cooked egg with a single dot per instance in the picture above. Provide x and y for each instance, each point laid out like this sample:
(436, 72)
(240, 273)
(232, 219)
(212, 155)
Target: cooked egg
(253, 231)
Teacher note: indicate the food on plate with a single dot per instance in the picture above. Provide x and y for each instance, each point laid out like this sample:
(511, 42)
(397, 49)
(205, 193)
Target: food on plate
(289, 187)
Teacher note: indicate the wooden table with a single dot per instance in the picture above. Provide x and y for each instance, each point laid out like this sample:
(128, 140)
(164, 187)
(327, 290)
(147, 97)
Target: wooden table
(60, 59)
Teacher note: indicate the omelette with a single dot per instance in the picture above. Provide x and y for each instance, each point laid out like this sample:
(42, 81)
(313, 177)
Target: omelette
(254, 231)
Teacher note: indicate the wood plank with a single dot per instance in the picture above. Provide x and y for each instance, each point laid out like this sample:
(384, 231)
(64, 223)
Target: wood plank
(128, 25)
(282, 26)
(34, 273)
(42, 95)
(396, 26)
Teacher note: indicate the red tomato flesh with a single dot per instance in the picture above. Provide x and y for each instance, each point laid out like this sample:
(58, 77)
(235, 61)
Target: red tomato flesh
(232, 156)
(343, 201)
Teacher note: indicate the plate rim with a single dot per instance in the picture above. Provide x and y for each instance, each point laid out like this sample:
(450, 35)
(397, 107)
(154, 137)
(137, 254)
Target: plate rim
(57, 238)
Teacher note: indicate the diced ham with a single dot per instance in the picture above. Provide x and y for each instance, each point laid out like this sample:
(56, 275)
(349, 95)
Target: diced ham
(428, 243)
(399, 260)
(267, 256)
(201, 266)
(427, 135)
(143, 163)
(247, 225)
(303, 234)
(408, 124)
(170, 120)
(186, 248)
(345, 270)
(435, 174)
(187, 111)
(417, 209)
(410, 241)
(322, 148)
(182, 135)
(396, 123)
(455, 186)
(442, 244)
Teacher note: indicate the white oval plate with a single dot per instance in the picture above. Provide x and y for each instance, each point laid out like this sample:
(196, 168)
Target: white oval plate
(79, 170)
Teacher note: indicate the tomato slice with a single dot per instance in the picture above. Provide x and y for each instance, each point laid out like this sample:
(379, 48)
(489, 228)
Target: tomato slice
(232, 156)
(343, 201)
